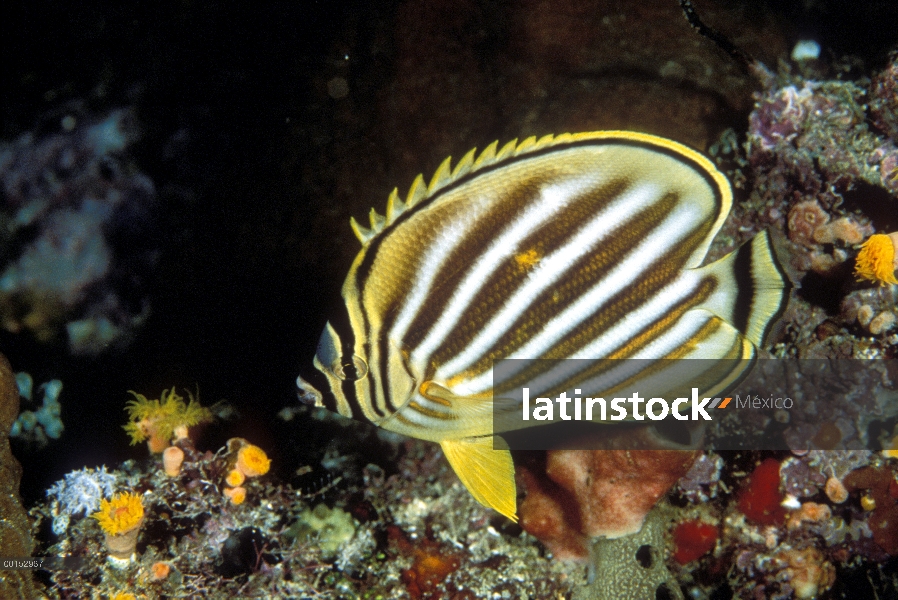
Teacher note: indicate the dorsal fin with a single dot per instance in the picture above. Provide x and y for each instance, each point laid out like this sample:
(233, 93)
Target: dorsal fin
(444, 175)
(491, 155)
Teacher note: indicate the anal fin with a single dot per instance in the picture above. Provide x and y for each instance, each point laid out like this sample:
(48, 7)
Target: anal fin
(487, 473)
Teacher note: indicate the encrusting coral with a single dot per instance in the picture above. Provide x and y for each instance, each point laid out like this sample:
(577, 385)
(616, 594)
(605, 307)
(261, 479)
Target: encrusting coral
(586, 494)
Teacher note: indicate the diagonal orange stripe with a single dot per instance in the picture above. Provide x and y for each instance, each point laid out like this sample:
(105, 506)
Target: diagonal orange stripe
(724, 403)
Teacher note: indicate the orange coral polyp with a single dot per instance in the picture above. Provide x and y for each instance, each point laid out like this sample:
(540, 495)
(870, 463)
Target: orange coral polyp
(236, 495)
(876, 260)
(123, 513)
(235, 478)
(252, 461)
(160, 571)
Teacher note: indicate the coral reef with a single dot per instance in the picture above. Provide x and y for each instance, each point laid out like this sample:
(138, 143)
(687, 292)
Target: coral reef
(15, 535)
(416, 533)
(72, 205)
(880, 497)
(702, 481)
(329, 528)
(692, 540)
(884, 99)
(821, 164)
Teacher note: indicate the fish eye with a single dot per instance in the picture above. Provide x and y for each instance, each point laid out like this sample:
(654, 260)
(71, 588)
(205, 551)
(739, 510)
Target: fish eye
(351, 371)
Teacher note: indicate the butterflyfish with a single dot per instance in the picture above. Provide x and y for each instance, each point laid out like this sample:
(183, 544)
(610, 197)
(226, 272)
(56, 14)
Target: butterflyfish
(587, 245)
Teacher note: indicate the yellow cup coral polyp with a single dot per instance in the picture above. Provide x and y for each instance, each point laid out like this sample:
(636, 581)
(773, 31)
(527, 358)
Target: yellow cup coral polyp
(120, 519)
(876, 260)
(235, 478)
(252, 461)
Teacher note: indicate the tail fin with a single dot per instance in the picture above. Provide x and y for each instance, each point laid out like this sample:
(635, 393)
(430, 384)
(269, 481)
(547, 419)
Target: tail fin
(753, 288)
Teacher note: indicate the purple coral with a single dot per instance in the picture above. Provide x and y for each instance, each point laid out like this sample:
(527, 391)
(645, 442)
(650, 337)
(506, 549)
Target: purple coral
(888, 170)
(700, 483)
(779, 116)
(813, 142)
(79, 493)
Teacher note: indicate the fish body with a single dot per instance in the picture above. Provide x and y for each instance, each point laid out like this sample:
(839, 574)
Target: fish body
(574, 246)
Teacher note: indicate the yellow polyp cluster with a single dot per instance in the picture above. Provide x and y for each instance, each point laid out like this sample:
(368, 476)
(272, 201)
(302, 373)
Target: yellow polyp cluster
(159, 420)
(123, 513)
(876, 260)
(252, 461)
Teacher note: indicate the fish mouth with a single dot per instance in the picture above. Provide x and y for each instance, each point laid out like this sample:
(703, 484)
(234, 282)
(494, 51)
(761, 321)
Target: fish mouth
(307, 393)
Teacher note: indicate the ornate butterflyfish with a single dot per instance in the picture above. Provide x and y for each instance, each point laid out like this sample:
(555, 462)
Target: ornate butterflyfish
(585, 245)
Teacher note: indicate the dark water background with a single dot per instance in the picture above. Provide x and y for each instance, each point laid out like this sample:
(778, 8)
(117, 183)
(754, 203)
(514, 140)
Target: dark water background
(236, 309)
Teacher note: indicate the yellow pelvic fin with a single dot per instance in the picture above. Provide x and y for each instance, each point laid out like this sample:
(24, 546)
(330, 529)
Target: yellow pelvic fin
(487, 473)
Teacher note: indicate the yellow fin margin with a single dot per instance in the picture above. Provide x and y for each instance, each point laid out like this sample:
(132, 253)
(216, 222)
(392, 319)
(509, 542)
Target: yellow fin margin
(445, 174)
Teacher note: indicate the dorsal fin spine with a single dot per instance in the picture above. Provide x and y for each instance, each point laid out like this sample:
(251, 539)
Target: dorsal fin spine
(562, 138)
(507, 150)
(464, 165)
(546, 140)
(487, 156)
(395, 206)
(416, 192)
(377, 221)
(441, 176)
(363, 233)
(526, 145)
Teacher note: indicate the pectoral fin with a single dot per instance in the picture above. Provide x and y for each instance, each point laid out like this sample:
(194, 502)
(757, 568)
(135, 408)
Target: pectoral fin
(487, 473)
(474, 412)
